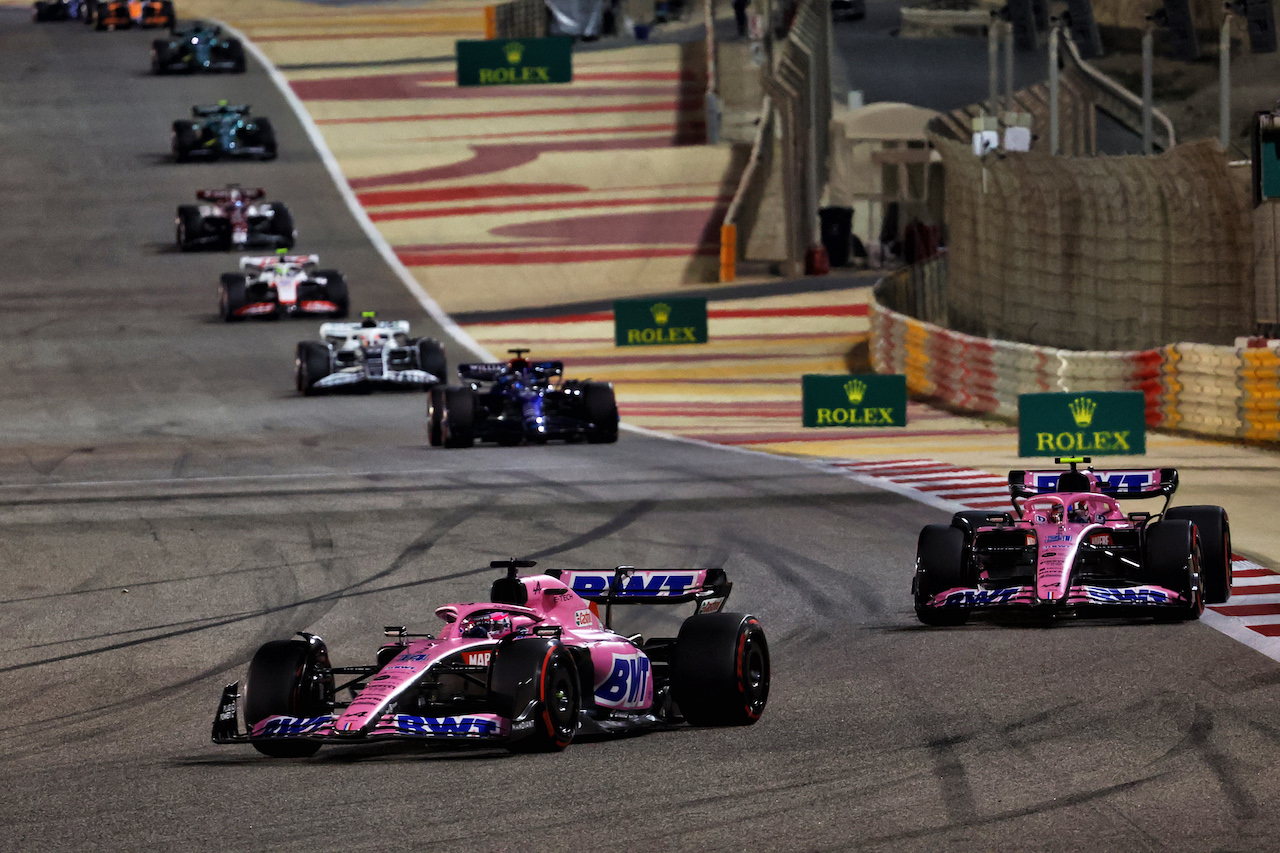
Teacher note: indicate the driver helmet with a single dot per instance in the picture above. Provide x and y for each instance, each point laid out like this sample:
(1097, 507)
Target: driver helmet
(487, 626)
(1079, 512)
(1055, 513)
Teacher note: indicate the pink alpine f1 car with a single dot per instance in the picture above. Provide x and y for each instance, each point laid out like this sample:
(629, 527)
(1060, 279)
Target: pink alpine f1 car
(527, 670)
(1068, 548)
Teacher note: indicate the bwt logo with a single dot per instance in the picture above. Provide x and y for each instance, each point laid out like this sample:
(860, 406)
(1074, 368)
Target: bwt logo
(292, 726)
(637, 584)
(445, 726)
(628, 682)
(1131, 482)
(1140, 595)
(979, 597)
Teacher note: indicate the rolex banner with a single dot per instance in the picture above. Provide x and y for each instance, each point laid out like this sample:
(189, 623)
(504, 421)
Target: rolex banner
(871, 400)
(650, 322)
(1084, 423)
(515, 62)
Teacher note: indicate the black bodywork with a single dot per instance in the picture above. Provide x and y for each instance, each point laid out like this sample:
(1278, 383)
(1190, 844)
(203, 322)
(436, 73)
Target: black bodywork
(199, 47)
(223, 130)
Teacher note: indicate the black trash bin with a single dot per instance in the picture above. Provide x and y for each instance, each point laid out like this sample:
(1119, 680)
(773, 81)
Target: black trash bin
(836, 225)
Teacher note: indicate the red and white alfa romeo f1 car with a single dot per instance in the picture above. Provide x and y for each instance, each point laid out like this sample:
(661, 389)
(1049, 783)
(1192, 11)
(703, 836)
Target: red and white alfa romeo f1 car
(282, 285)
(1068, 548)
(526, 670)
(234, 218)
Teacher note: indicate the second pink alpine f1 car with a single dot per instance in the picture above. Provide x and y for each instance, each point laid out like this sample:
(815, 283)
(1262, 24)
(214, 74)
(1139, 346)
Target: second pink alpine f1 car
(1068, 548)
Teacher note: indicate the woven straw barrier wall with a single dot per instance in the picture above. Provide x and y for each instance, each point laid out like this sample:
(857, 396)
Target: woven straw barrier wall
(1107, 253)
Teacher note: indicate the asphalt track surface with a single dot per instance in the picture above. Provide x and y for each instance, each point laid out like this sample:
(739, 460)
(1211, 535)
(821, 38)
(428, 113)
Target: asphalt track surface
(148, 448)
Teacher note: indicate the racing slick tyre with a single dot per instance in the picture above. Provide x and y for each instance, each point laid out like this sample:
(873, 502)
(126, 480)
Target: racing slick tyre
(267, 139)
(541, 671)
(939, 567)
(435, 416)
(232, 296)
(40, 12)
(1215, 548)
(182, 141)
(1172, 556)
(602, 411)
(431, 359)
(288, 677)
(282, 225)
(311, 364)
(720, 670)
(159, 57)
(190, 226)
(335, 291)
(459, 422)
(236, 51)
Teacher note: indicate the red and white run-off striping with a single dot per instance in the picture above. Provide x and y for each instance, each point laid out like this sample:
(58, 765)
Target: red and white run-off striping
(1252, 616)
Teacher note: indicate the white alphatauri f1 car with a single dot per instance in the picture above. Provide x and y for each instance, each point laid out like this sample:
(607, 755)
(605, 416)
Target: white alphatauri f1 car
(371, 352)
(282, 285)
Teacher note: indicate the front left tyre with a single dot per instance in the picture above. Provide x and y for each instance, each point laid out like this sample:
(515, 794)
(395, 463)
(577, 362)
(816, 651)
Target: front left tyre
(939, 567)
(311, 364)
(287, 678)
(233, 294)
(540, 671)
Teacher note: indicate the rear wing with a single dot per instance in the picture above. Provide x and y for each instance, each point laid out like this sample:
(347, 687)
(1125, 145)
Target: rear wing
(493, 371)
(709, 588)
(205, 110)
(229, 193)
(345, 330)
(1118, 483)
(264, 262)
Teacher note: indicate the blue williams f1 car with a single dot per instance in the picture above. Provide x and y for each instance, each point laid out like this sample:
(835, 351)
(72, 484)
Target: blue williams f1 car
(520, 400)
(223, 130)
(1069, 549)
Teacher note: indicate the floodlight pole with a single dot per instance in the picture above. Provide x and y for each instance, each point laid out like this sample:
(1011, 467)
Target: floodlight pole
(1224, 81)
(1148, 45)
(1053, 87)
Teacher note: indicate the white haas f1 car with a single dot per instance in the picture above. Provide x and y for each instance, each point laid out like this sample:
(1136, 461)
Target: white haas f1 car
(1068, 548)
(527, 670)
(234, 218)
(368, 353)
(272, 286)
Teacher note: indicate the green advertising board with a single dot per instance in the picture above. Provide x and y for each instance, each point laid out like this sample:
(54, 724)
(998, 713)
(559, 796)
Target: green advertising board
(515, 62)
(652, 322)
(847, 400)
(1097, 423)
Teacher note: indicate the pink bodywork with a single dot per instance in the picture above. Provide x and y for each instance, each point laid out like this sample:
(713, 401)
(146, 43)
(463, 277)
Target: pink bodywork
(623, 676)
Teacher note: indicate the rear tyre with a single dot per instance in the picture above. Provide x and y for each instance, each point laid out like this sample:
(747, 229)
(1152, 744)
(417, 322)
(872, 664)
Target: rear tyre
(543, 672)
(431, 359)
(267, 139)
(310, 365)
(602, 411)
(40, 12)
(182, 141)
(1172, 553)
(282, 225)
(720, 670)
(159, 57)
(335, 291)
(189, 227)
(232, 296)
(939, 567)
(435, 417)
(236, 51)
(1214, 532)
(458, 425)
(287, 677)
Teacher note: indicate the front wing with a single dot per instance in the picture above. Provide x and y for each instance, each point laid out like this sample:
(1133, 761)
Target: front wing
(468, 727)
(1078, 596)
(356, 375)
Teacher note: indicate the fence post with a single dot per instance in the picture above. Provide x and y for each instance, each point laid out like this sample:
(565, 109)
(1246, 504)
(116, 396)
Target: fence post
(490, 22)
(728, 251)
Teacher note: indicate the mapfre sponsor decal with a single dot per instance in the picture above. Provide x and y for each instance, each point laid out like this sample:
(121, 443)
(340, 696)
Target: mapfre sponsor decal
(477, 658)
(1100, 540)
